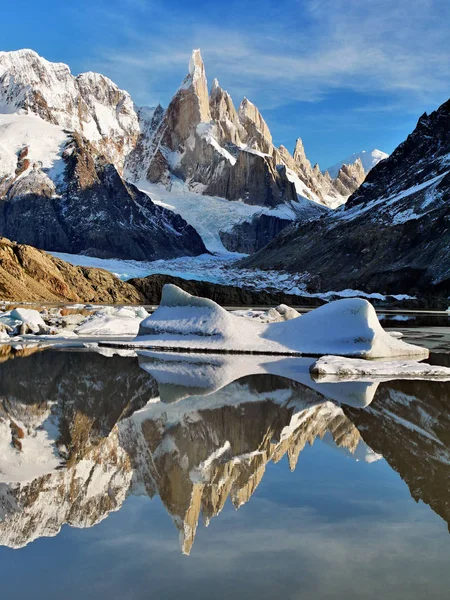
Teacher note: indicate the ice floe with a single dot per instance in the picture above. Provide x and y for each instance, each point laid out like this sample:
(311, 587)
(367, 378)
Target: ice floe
(338, 367)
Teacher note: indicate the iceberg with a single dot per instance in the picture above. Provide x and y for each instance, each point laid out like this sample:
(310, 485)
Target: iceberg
(347, 327)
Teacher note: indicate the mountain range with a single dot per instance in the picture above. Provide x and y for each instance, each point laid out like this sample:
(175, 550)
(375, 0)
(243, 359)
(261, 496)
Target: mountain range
(80, 164)
(83, 170)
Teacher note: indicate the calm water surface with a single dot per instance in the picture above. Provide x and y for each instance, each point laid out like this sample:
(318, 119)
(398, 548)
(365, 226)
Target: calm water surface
(215, 477)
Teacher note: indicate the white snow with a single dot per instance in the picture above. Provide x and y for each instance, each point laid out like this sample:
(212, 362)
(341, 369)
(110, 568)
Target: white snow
(44, 141)
(37, 457)
(30, 317)
(209, 215)
(280, 313)
(113, 321)
(348, 368)
(207, 131)
(401, 216)
(217, 269)
(347, 327)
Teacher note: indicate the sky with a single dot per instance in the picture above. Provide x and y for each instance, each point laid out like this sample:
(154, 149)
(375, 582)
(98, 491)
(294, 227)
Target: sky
(344, 75)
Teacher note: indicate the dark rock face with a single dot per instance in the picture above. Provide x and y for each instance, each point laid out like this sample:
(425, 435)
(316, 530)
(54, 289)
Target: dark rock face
(250, 236)
(226, 295)
(393, 235)
(95, 213)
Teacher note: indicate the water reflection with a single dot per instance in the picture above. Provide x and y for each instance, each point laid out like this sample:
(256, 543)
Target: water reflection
(82, 431)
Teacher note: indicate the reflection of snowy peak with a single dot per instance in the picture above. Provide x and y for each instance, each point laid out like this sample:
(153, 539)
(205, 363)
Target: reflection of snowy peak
(367, 159)
(117, 437)
(194, 453)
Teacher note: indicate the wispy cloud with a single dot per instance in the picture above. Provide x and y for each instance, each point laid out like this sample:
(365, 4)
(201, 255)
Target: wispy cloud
(396, 49)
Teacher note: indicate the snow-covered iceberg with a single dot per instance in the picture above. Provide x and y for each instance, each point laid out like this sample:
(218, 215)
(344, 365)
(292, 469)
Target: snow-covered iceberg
(347, 327)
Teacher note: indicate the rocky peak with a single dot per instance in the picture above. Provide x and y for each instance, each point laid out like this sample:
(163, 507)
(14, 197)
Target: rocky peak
(196, 82)
(349, 178)
(224, 114)
(258, 133)
(187, 109)
(300, 156)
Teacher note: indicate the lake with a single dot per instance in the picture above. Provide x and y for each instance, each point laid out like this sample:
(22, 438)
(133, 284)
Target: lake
(159, 475)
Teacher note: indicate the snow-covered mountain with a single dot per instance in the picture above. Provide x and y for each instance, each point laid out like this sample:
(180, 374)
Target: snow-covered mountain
(63, 142)
(222, 151)
(90, 103)
(393, 235)
(71, 145)
(367, 159)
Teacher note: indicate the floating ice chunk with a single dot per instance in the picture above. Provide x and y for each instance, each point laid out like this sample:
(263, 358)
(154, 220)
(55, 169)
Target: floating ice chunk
(336, 367)
(30, 317)
(348, 327)
(113, 321)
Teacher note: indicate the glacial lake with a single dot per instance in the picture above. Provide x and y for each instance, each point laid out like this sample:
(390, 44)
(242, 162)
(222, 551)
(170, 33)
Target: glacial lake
(160, 476)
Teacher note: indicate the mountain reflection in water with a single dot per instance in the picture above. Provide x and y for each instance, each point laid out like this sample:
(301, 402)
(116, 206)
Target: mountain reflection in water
(81, 431)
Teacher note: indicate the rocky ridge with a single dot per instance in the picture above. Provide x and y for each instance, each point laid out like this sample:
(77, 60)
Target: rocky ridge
(393, 235)
(220, 151)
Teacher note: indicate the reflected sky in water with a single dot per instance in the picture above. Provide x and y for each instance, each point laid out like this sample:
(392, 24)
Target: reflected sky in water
(334, 527)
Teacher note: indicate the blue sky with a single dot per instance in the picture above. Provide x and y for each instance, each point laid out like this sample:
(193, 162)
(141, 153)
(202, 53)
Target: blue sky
(344, 75)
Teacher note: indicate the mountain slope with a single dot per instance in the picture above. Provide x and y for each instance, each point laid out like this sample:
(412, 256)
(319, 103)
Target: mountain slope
(90, 103)
(27, 274)
(393, 234)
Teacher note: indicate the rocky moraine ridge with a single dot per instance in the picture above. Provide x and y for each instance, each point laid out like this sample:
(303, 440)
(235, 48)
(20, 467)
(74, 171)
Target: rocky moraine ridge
(74, 152)
(393, 234)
